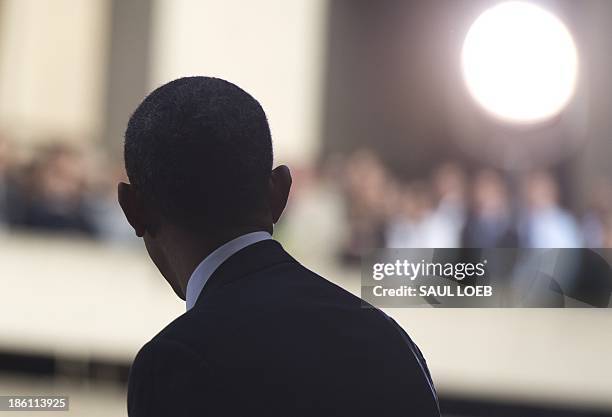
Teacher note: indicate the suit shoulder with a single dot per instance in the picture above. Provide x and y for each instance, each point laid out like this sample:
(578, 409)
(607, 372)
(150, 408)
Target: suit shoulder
(174, 334)
(331, 286)
(164, 378)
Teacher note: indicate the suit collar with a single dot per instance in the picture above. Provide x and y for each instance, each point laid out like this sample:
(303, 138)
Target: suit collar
(207, 267)
(251, 259)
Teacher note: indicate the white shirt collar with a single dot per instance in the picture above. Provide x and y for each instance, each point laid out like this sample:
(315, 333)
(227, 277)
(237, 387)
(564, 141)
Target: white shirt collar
(209, 265)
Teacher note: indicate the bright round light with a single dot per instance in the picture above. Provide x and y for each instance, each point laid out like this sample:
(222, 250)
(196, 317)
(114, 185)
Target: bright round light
(519, 62)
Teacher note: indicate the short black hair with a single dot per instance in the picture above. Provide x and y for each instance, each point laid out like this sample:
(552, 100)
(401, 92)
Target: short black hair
(200, 150)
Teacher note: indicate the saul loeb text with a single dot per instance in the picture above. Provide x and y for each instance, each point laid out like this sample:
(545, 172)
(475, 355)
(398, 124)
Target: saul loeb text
(420, 277)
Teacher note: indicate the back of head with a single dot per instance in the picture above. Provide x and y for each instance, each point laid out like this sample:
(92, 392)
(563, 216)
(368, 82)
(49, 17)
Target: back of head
(199, 150)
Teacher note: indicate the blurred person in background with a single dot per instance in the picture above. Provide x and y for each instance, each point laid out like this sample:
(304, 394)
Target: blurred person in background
(367, 185)
(11, 190)
(489, 223)
(606, 232)
(56, 193)
(4, 184)
(450, 188)
(106, 215)
(595, 221)
(543, 222)
(317, 210)
(412, 225)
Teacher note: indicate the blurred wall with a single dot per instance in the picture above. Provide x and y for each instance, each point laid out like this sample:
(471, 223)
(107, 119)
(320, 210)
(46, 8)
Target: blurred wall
(52, 63)
(75, 69)
(271, 48)
(394, 84)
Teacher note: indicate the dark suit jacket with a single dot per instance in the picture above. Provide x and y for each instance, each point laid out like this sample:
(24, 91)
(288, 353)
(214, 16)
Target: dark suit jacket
(268, 337)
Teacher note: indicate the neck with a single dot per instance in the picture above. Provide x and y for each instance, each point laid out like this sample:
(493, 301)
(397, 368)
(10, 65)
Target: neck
(186, 250)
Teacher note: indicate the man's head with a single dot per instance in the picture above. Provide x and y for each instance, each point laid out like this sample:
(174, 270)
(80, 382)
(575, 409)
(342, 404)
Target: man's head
(198, 154)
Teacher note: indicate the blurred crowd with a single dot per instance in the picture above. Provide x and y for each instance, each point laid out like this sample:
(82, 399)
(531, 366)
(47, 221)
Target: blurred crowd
(451, 208)
(59, 188)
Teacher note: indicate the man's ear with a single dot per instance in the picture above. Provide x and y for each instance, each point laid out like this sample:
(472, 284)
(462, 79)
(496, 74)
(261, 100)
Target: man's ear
(132, 207)
(280, 184)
